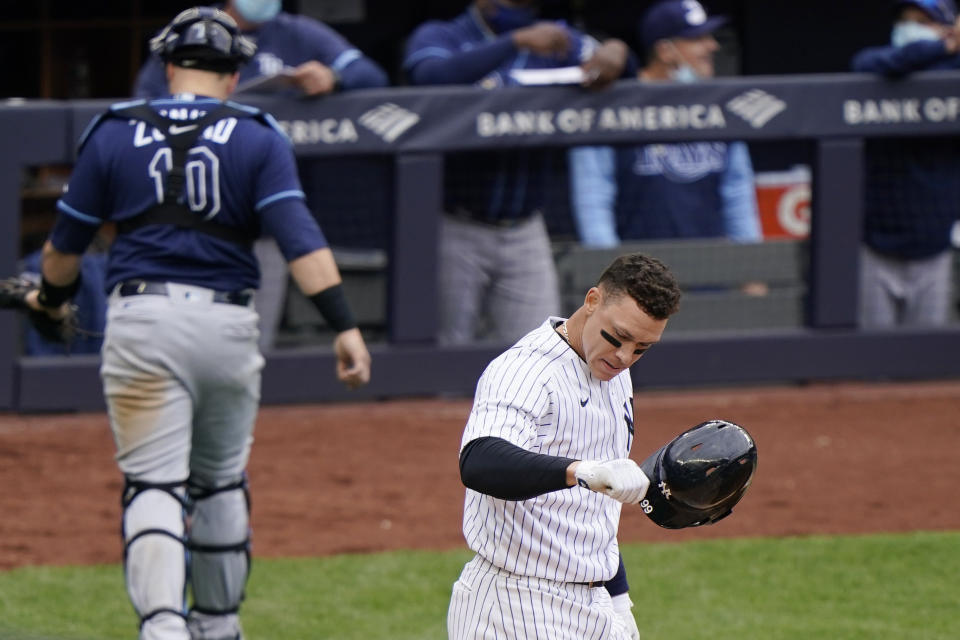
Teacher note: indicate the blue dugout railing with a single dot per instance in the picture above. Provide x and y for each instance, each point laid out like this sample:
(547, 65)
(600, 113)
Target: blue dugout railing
(417, 125)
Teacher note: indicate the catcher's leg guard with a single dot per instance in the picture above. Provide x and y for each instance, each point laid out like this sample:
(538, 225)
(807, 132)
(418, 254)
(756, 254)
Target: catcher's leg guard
(219, 543)
(154, 557)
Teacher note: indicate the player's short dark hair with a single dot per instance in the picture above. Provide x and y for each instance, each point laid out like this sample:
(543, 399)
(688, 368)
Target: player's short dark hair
(646, 280)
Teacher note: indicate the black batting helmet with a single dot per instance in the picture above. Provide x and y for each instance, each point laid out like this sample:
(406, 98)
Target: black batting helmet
(203, 38)
(699, 476)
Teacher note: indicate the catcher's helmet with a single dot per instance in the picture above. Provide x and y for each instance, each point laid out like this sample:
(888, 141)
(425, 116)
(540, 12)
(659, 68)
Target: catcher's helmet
(699, 476)
(203, 38)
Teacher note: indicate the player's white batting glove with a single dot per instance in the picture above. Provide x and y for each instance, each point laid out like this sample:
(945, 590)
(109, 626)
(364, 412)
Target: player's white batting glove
(621, 605)
(621, 479)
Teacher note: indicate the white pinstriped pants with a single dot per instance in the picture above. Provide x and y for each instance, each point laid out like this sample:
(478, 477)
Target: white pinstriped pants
(490, 603)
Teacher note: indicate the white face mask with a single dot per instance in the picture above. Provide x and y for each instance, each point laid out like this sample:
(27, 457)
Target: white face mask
(257, 11)
(683, 73)
(906, 32)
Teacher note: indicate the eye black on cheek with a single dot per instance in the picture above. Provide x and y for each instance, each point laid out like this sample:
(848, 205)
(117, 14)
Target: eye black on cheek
(609, 338)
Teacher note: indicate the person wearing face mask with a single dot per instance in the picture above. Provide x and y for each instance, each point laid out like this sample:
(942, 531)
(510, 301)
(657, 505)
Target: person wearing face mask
(912, 185)
(496, 262)
(320, 62)
(681, 190)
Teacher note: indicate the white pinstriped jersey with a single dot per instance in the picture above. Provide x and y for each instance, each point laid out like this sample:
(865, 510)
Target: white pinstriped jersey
(540, 396)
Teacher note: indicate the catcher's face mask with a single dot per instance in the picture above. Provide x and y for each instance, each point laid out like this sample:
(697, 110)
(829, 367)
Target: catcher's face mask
(700, 475)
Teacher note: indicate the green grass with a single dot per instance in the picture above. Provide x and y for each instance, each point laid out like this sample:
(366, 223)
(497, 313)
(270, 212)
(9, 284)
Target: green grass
(834, 588)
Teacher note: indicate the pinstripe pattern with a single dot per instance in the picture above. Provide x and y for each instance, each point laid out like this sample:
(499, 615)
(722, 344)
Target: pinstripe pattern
(539, 395)
(489, 603)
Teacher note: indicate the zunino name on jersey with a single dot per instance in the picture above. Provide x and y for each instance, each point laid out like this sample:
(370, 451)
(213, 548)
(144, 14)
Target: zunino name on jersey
(219, 132)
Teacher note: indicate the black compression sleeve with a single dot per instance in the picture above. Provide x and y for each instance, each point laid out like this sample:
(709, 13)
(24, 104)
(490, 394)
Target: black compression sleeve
(503, 470)
(618, 583)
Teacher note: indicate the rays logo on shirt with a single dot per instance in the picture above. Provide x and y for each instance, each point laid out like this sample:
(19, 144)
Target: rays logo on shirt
(681, 162)
(269, 64)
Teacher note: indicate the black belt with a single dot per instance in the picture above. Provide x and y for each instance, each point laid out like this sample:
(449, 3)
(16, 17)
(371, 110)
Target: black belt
(144, 288)
(503, 223)
(592, 585)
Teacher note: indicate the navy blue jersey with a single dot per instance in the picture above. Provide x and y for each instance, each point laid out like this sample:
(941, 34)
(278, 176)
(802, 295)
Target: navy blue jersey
(924, 55)
(912, 195)
(286, 41)
(241, 173)
(492, 185)
(912, 184)
(671, 191)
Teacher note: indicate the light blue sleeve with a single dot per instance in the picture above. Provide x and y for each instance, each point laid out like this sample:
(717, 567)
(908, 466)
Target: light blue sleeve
(741, 216)
(593, 192)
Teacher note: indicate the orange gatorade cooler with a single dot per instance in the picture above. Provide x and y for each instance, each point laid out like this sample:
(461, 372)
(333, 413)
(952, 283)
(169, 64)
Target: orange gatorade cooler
(783, 198)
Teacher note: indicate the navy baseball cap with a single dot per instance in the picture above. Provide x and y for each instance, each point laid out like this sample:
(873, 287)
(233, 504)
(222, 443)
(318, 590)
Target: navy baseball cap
(943, 11)
(676, 19)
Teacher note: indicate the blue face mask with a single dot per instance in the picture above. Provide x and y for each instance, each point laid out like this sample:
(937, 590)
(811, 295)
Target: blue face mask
(257, 11)
(505, 19)
(684, 74)
(906, 32)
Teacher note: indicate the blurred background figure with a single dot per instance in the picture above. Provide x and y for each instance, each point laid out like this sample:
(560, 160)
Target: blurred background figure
(317, 59)
(496, 261)
(912, 190)
(681, 190)
(90, 301)
(309, 59)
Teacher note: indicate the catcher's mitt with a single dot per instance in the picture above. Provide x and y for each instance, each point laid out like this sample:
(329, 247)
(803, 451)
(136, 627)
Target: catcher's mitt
(63, 329)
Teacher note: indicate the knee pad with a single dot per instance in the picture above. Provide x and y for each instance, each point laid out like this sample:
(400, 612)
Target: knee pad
(218, 539)
(154, 553)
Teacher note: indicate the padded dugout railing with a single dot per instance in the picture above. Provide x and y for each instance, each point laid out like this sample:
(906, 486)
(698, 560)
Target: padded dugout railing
(417, 125)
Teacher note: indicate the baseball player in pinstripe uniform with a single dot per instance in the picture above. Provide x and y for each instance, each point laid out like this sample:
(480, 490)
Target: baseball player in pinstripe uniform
(190, 181)
(544, 457)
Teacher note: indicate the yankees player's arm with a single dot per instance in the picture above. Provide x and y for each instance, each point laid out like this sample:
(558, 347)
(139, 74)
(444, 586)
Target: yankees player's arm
(503, 470)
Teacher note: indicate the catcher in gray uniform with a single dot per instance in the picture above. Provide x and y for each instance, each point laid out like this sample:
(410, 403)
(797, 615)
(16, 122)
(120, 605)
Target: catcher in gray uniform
(190, 180)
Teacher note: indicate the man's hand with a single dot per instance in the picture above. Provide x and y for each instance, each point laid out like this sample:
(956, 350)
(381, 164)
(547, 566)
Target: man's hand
(606, 65)
(543, 38)
(56, 325)
(315, 79)
(621, 479)
(951, 37)
(622, 605)
(353, 359)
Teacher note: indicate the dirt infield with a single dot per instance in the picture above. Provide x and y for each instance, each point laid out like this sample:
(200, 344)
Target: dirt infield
(847, 458)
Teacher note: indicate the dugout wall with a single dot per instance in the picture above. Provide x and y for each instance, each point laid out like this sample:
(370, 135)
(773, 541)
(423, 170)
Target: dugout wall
(415, 126)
